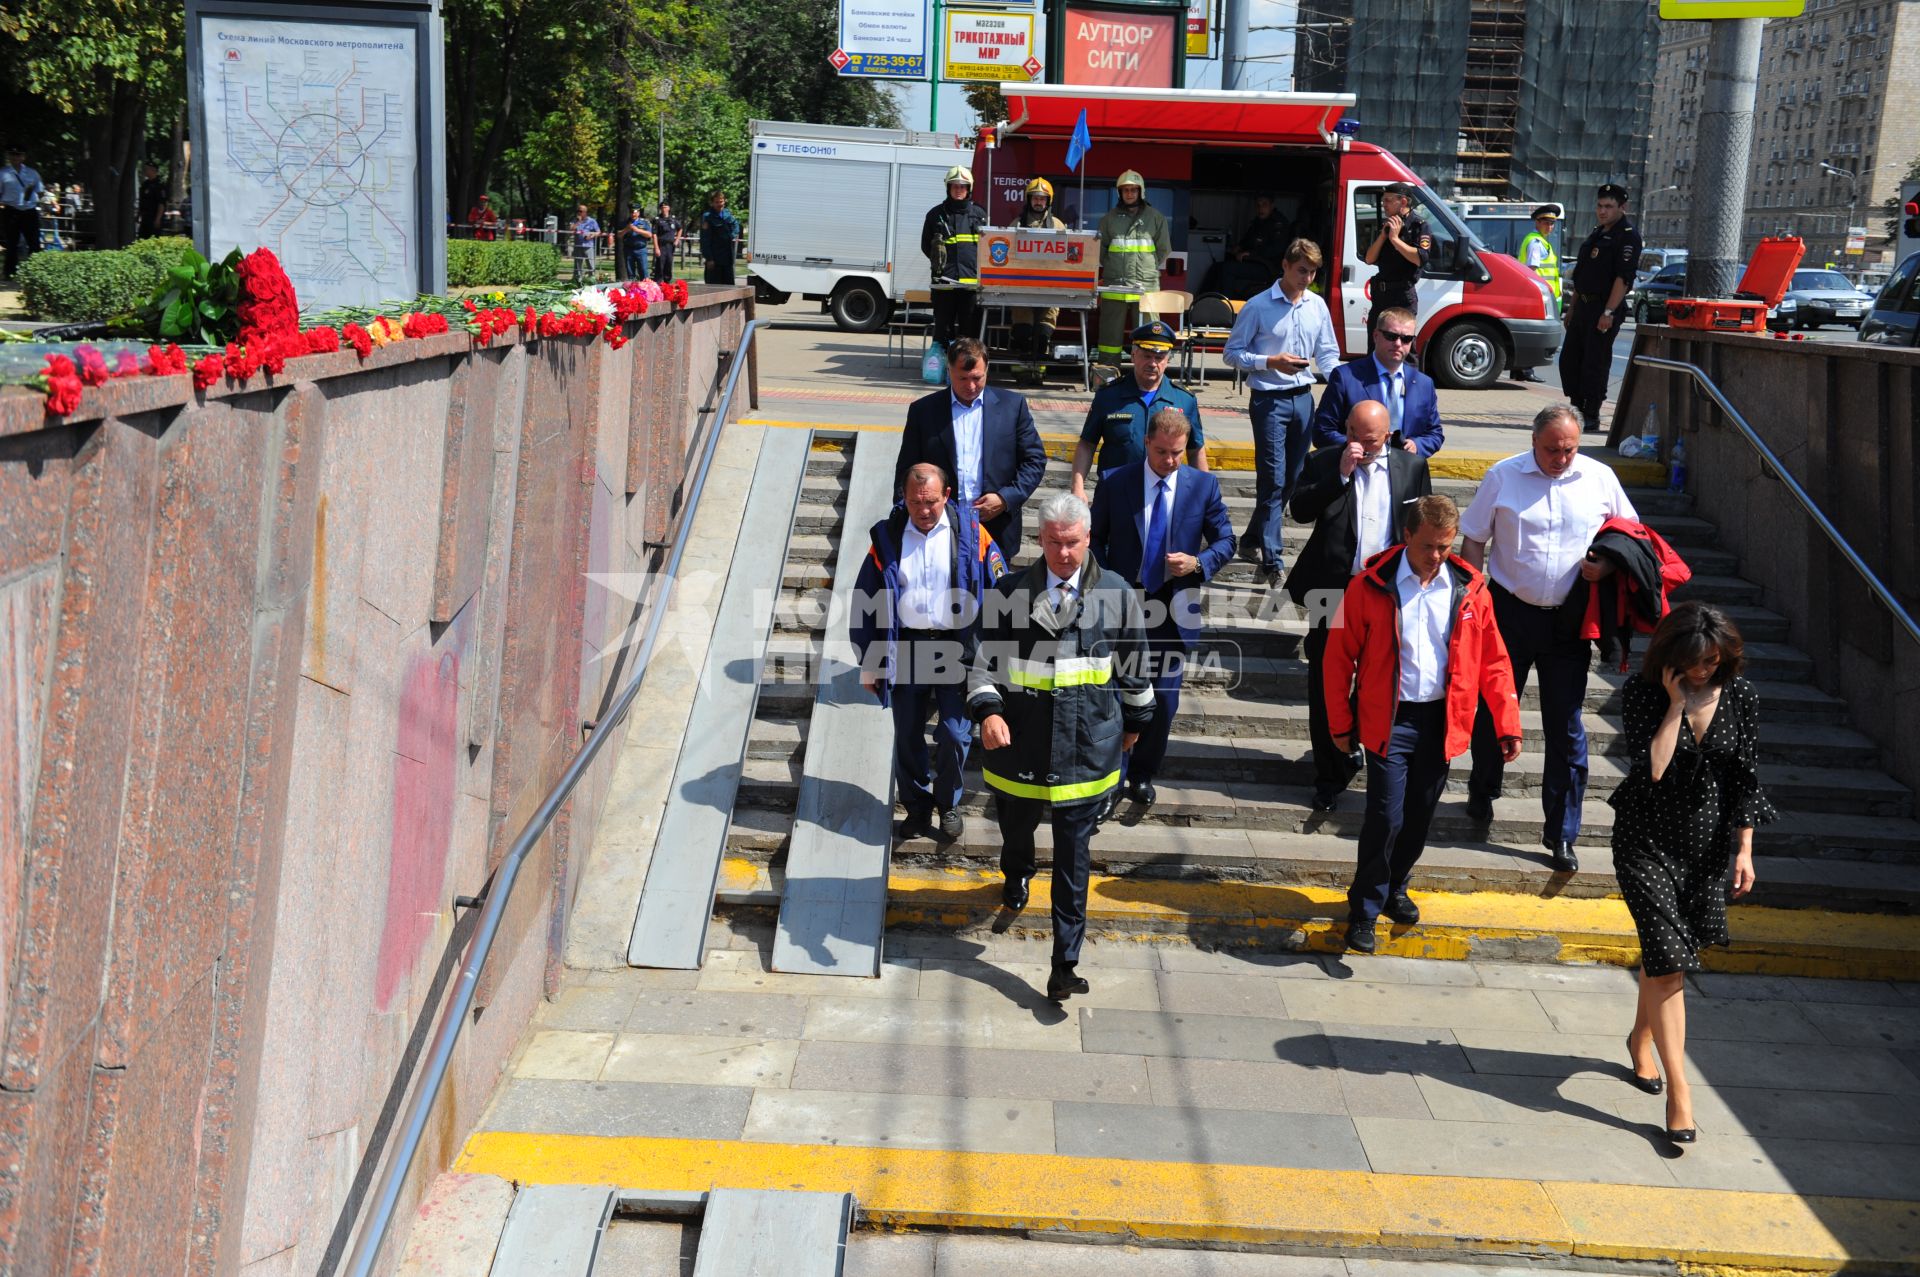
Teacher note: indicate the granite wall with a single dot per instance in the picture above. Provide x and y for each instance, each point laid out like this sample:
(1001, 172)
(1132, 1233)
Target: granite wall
(1844, 419)
(283, 670)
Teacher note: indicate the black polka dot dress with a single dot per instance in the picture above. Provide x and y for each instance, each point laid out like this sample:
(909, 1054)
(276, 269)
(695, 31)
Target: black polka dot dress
(1674, 839)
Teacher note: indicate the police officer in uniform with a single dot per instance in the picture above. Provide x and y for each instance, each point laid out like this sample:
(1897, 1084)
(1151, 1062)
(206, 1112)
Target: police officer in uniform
(1033, 328)
(1538, 255)
(1399, 250)
(1601, 276)
(950, 237)
(1134, 244)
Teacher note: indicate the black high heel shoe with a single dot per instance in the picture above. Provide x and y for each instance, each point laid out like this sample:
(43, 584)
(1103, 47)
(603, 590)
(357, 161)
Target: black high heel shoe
(1688, 1136)
(1651, 1085)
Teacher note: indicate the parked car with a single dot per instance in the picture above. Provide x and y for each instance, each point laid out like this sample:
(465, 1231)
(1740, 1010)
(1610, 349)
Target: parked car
(1653, 260)
(1649, 299)
(1819, 297)
(1894, 319)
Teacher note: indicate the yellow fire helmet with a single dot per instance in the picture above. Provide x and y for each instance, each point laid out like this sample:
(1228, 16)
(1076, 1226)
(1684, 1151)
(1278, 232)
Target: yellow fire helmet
(960, 173)
(1041, 185)
(1130, 178)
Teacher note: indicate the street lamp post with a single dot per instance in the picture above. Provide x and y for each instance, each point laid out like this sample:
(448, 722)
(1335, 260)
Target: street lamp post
(662, 93)
(1853, 203)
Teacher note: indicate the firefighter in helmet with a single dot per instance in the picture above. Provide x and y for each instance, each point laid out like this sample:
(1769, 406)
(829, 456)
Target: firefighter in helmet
(1033, 329)
(1134, 245)
(950, 238)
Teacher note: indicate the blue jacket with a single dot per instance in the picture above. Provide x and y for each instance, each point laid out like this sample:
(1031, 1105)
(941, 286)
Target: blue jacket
(1012, 458)
(1199, 527)
(876, 613)
(1117, 421)
(719, 232)
(1360, 379)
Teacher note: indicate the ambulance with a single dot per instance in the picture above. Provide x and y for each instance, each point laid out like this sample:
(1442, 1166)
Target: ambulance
(1207, 155)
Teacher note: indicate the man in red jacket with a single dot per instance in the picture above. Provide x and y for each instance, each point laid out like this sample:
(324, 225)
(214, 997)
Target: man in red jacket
(1411, 652)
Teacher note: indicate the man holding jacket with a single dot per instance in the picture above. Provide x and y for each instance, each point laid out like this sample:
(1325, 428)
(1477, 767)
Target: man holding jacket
(915, 621)
(1059, 690)
(1413, 651)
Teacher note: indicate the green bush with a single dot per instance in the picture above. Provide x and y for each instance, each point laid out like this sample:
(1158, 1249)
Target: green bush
(500, 263)
(163, 251)
(81, 286)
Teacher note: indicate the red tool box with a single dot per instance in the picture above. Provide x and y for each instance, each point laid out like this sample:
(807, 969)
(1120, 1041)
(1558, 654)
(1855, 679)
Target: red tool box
(1769, 272)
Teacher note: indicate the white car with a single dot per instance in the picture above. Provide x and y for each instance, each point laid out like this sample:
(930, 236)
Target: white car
(1819, 297)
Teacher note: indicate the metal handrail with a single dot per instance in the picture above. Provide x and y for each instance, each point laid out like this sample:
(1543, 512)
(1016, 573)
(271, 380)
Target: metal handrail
(386, 1197)
(1773, 467)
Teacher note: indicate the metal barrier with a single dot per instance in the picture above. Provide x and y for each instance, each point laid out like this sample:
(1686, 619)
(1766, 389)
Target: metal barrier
(1772, 466)
(439, 1057)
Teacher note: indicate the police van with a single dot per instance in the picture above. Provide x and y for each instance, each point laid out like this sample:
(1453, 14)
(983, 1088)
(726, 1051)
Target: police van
(837, 213)
(1207, 155)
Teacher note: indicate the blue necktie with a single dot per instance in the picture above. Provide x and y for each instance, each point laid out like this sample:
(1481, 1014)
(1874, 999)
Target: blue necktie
(1395, 406)
(1153, 568)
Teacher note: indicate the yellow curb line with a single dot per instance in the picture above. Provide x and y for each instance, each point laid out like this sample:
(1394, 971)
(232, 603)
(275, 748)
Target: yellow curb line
(1233, 455)
(1244, 1205)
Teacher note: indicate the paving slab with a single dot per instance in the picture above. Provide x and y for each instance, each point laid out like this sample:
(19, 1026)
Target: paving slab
(1726, 1019)
(1219, 994)
(1124, 953)
(1383, 1095)
(561, 1054)
(1864, 1025)
(1281, 966)
(1527, 1150)
(943, 980)
(535, 1105)
(1558, 976)
(1476, 1097)
(587, 1007)
(698, 1058)
(890, 1255)
(1797, 988)
(1830, 1168)
(1239, 1137)
(1204, 1037)
(1836, 1068)
(742, 1015)
(901, 1121)
(1041, 1027)
(1771, 1112)
(1417, 1006)
(960, 1256)
(746, 971)
(1388, 1049)
(1276, 1087)
(997, 1073)
(646, 1248)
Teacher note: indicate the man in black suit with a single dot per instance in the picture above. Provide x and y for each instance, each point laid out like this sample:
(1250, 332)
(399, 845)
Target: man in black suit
(1353, 495)
(985, 438)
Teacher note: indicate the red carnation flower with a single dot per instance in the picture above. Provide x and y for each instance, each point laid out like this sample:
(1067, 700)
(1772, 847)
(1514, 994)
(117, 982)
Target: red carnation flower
(322, 340)
(207, 371)
(165, 361)
(63, 385)
(268, 307)
(359, 338)
(93, 366)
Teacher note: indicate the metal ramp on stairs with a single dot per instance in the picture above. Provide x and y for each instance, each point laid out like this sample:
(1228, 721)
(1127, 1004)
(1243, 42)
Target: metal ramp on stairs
(558, 1230)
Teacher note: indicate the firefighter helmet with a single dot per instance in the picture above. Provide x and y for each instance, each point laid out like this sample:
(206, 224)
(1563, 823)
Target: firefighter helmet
(1041, 185)
(1130, 178)
(960, 173)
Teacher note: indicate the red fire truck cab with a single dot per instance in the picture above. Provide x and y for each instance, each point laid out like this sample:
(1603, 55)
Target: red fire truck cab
(1206, 155)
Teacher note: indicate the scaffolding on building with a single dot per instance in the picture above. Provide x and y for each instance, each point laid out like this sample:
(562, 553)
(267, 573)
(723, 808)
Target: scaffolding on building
(1490, 97)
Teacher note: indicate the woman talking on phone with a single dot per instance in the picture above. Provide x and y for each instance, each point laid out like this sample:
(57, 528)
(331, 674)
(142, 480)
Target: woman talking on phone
(1684, 823)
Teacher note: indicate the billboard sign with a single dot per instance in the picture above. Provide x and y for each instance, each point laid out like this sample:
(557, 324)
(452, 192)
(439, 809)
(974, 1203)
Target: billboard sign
(1200, 24)
(1121, 48)
(996, 45)
(882, 39)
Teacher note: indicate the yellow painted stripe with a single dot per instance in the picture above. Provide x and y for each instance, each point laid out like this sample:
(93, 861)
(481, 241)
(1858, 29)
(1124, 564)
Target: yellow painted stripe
(1243, 1205)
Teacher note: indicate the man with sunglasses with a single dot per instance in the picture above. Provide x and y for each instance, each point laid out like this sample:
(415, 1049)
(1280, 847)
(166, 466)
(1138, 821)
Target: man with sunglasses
(1413, 405)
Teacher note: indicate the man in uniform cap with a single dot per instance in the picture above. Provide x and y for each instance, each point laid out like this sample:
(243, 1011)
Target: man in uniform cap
(1399, 249)
(1601, 276)
(1538, 255)
(1116, 424)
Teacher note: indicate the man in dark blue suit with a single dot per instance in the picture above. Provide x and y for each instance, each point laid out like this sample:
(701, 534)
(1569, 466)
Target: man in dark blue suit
(1164, 528)
(983, 437)
(1413, 407)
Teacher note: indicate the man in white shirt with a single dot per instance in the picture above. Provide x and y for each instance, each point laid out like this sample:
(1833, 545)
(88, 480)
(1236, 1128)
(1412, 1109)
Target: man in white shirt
(1279, 338)
(20, 192)
(1529, 528)
(1412, 652)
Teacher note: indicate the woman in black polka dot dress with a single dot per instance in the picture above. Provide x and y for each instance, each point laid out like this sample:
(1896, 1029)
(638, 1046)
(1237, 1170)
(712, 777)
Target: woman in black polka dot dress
(1684, 819)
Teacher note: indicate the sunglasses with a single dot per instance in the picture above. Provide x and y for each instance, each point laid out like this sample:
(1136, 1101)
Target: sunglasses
(1398, 338)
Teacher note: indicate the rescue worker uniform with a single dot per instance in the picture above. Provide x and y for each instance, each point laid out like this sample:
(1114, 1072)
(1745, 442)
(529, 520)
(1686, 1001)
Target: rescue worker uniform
(1134, 243)
(1033, 328)
(1394, 283)
(1064, 663)
(1117, 419)
(950, 238)
(1538, 255)
(1609, 253)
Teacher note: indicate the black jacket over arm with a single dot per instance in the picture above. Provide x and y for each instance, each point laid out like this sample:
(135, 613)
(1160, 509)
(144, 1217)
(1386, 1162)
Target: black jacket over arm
(1325, 500)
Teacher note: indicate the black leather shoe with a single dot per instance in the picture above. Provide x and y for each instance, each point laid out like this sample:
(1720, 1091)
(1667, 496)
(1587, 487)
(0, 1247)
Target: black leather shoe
(1479, 810)
(1143, 793)
(918, 824)
(1651, 1085)
(1564, 861)
(1325, 799)
(1063, 983)
(1108, 805)
(952, 824)
(1402, 910)
(1688, 1136)
(1360, 935)
(1013, 893)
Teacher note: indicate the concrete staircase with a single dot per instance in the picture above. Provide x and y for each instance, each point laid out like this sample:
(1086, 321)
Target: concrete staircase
(1234, 795)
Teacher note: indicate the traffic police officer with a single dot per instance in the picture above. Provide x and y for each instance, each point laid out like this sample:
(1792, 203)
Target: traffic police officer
(1538, 255)
(950, 238)
(1134, 245)
(1033, 329)
(1601, 276)
(1399, 250)
(1118, 417)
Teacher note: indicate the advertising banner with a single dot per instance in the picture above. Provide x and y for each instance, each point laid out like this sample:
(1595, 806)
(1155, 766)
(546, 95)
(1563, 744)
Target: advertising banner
(990, 45)
(1116, 48)
(1200, 24)
(882, 39)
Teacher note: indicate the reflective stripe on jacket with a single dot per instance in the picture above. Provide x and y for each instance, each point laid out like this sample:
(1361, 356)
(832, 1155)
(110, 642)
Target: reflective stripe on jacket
(1548, 268)
(1133, 247)
(875, 612)
(950, 238)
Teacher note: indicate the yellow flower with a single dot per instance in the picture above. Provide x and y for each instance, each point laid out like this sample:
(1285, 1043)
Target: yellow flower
(385, 331)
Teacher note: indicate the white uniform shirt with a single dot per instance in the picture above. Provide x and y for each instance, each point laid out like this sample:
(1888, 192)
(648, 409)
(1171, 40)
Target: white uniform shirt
(969, 425)
(1425, 613)
(1537, 529)
(1372, 510)
(926, 575)
(1269, 324)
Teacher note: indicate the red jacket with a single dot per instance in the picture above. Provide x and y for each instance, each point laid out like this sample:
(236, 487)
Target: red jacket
(1365, 640)
(1634, 597)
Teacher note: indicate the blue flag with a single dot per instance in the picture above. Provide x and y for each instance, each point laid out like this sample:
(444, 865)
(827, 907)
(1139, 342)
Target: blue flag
(1077, 149)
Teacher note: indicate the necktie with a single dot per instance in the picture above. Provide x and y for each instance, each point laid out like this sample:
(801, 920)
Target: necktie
(1395, 407)
(1062, 596)
(1153, 566)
